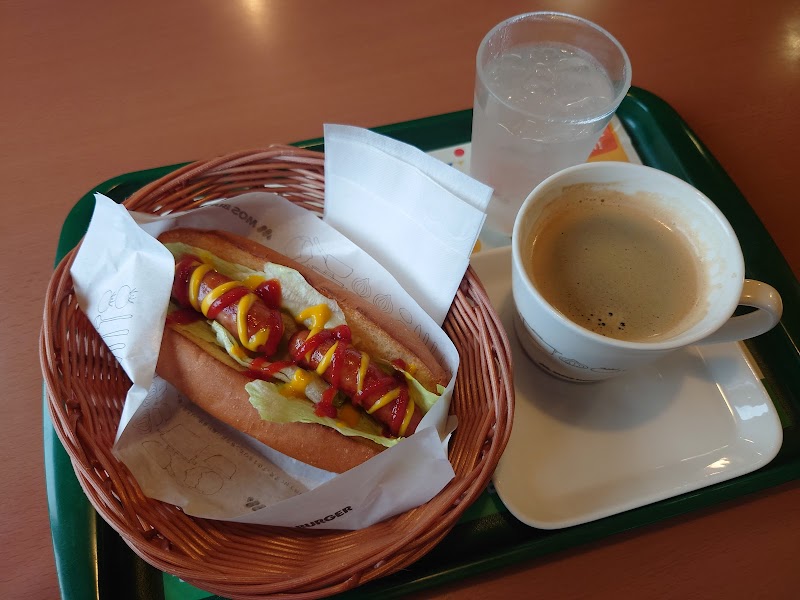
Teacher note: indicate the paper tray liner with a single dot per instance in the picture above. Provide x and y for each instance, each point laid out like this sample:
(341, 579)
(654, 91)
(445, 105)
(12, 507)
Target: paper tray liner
(86, 389)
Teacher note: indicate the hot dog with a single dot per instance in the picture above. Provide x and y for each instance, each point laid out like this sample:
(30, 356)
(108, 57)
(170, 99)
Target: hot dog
(276, 350)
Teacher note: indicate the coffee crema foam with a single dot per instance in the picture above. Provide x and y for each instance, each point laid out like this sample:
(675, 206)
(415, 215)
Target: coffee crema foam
(611, 263)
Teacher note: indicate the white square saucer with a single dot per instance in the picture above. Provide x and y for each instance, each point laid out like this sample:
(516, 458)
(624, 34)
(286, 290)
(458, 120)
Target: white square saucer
(580, 452)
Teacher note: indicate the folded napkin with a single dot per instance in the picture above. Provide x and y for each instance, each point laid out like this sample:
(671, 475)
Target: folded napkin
(417, 216)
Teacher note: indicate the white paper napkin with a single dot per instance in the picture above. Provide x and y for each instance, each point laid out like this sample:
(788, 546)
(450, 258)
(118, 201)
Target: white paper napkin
(416, 216)
(122, 281)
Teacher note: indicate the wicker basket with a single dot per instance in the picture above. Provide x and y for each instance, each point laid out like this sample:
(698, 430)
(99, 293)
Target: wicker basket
(86, 389)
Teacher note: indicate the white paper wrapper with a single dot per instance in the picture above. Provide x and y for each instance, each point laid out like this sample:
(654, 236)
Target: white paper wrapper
(183, 456)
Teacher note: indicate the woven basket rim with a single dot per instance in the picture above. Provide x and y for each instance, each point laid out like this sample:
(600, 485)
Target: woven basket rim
(206, 553)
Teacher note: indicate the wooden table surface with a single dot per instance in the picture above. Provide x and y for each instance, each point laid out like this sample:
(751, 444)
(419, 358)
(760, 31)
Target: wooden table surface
(94, 89)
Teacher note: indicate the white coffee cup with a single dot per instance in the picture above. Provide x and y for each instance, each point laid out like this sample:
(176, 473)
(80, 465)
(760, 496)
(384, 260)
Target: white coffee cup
(571, 351)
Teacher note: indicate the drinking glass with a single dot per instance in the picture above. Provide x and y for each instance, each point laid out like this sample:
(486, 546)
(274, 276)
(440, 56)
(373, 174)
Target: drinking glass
(546, 86)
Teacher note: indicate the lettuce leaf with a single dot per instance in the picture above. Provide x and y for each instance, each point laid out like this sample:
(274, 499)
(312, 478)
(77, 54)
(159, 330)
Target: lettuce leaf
(277, 408)
(202, 333)
(419, 394)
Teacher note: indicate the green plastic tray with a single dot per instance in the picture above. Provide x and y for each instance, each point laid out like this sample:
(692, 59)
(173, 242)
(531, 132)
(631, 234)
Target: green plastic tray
(93, 561)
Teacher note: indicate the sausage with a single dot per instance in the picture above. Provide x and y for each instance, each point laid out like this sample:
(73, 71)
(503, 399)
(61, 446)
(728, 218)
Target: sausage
(343, 373)
(263, 324)
(190, 288)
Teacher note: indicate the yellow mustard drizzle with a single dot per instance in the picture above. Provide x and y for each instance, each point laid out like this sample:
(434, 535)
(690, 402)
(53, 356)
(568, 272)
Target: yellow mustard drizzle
(253, 281)
(319, 315)
(237, 350)
(194, 284)
(384, 400)
(348, 415)
(362, 372)
(296, 386)
(214, 294)
(260, 337)
(326, 360)
(241, 317)
(407, 418)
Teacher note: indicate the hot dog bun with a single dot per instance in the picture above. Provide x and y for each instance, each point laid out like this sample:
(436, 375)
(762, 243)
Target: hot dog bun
(219, 390)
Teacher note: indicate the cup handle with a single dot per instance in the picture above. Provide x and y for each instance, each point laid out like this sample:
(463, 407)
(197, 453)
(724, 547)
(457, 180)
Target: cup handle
(769, 307)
